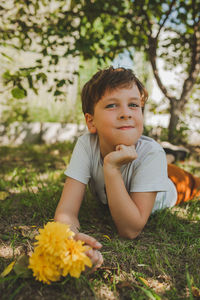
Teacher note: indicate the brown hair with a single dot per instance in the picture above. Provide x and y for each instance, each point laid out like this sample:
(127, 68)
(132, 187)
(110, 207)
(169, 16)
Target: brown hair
(109, 79)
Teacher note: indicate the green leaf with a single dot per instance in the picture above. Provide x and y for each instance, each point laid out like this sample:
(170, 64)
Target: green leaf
(189, 283)
(30, 81)
(60, 83)
(41, 76)
(8, 269)
(150, 294)
(6, 75)
(57, 93)
(21, 267)
(18, 93)
(4, 237)
(3, 195)
(8, 57)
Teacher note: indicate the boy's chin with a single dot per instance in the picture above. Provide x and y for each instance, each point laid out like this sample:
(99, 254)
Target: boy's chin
(128, 139)
(126, 142)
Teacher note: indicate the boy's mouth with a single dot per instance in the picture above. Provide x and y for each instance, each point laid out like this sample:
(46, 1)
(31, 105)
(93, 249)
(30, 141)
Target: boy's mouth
(125, 127)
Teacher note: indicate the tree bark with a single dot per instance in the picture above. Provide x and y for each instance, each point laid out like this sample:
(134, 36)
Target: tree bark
(176, 109)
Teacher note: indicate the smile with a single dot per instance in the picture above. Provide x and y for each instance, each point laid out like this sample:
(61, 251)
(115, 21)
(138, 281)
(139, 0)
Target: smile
(125, 127)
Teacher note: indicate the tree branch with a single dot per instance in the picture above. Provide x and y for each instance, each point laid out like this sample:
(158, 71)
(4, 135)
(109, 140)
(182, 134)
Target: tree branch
(195, 65)
(166, 17)
(152, 58)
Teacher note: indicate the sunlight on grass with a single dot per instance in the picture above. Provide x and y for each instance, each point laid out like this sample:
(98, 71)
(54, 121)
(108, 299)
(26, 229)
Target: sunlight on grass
(153, 266)
(7, 251)
(104, 292)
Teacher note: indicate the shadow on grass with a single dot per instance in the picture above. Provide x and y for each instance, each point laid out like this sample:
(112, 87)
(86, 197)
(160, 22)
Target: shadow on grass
(167, 248)
(169, 243)
(39, 157)
(165, 254)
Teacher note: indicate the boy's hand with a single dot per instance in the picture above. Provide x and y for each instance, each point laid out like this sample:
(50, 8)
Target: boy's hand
(95, 256)
(122, 155)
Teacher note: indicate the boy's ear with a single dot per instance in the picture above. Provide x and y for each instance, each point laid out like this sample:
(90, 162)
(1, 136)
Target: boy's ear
(90, 124)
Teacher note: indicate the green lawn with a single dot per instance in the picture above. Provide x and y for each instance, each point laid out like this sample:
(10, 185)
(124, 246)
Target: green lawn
(162, 263)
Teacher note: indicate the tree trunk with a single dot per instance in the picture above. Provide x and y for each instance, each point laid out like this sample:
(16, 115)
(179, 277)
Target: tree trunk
(176, 109)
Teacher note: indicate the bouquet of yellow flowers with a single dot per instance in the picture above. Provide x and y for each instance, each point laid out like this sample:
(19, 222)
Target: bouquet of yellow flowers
(57, 254)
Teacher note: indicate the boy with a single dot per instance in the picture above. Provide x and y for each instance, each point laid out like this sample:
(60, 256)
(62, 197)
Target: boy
(124, 169)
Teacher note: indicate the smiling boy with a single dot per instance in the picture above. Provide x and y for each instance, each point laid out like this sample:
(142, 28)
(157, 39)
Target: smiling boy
(118, 122)
(125, 170)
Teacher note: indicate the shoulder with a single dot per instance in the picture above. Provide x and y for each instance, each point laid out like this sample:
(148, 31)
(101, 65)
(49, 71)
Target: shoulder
(147, 144)
(148, 149)
(89, 142)
(88, 139)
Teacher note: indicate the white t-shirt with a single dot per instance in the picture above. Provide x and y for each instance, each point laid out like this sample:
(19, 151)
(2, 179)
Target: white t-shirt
(147, 173)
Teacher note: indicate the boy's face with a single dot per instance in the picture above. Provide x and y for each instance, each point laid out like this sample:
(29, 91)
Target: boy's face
(117, 118)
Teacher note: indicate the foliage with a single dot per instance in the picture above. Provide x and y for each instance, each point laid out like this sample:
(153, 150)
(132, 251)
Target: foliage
(95, 28)
(19, 111)
(33, 26)
(161, 29)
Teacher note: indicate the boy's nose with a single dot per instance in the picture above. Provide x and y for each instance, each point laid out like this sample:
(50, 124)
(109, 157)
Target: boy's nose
(125, 114)
(125, 117)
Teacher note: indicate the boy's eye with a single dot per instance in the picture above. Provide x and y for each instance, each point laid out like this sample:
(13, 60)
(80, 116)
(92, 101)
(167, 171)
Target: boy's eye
(111, 105)
(133, 105)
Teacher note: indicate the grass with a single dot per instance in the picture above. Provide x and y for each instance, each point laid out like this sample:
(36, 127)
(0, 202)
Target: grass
(162, 263)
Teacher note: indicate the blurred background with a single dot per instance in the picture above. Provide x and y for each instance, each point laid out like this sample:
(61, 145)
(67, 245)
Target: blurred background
(49, 49)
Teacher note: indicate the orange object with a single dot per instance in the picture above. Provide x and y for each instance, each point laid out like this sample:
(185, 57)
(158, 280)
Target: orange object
(187, 185)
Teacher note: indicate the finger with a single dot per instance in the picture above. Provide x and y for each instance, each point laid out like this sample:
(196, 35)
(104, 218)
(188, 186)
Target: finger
(96, 258)
(99, 261)
(125, 153)
(94, 255)
(125, 147)
(120, 147)
(88, 240)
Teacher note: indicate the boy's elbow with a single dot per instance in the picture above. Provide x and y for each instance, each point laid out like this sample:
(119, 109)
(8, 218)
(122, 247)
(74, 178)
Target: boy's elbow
(129, 234)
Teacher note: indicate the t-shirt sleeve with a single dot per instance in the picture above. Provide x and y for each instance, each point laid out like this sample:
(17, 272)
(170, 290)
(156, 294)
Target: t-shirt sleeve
(151, 173)
(79, 166)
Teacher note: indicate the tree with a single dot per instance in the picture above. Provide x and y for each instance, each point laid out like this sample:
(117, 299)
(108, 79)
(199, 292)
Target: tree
(141, 24)
(103, 29)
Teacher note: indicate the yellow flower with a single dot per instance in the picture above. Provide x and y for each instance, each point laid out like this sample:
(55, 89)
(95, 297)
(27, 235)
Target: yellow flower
(56, 254)
(43, 267)
(52, 239)
(75, 258)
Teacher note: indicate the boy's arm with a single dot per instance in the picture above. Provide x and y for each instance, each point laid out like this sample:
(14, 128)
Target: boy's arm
(69, 204)
(67, 212)
(130, 212)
